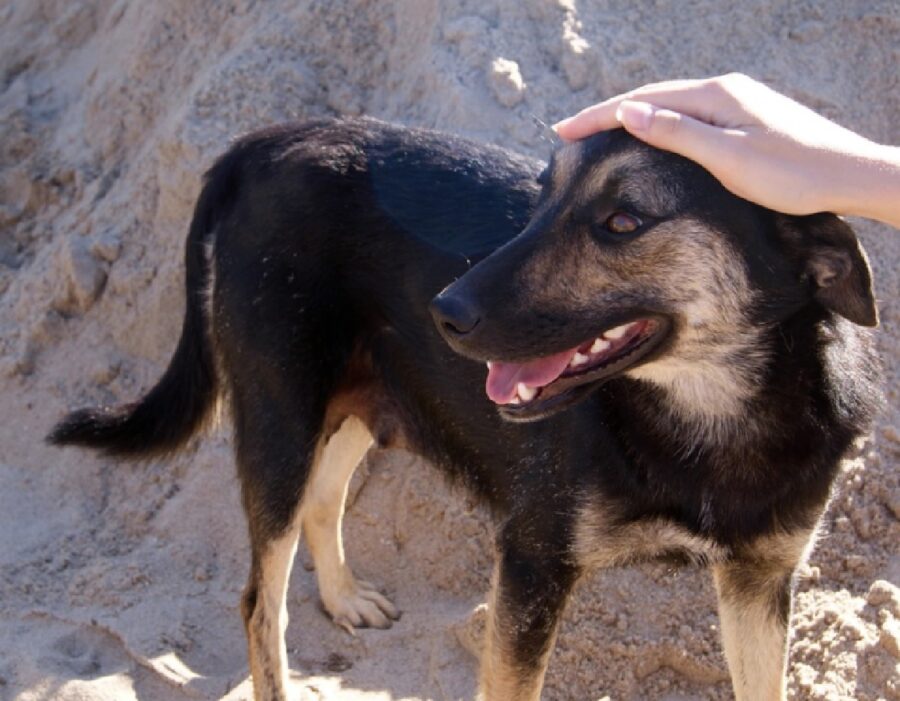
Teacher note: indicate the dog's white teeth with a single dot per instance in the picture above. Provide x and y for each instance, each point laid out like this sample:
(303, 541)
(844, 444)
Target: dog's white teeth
(526, 394)
(600, 345)
(578, 359)
(489, 364)
(515, 400)
(617, 333)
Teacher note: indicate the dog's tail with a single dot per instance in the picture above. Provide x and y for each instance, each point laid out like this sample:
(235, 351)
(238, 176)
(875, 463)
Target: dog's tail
(172, 411)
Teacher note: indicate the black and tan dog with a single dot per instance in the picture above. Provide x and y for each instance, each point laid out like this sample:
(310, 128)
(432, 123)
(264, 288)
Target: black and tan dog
(671, 371)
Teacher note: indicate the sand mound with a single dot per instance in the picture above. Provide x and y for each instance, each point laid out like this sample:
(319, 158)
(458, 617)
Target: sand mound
(120, 581)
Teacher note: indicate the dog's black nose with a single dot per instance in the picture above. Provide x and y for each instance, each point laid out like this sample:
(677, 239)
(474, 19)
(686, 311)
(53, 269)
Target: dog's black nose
(453, 316)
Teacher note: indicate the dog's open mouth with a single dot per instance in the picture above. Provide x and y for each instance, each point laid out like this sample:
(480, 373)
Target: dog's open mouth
(531, 389)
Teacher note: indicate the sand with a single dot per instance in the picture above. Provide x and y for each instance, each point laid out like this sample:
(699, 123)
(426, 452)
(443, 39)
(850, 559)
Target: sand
(121, 581)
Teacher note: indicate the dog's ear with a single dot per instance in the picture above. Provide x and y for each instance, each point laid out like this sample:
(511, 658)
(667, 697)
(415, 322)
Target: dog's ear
(835, 264)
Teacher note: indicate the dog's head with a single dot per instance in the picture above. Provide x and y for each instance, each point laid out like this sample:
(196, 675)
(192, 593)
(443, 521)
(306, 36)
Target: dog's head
(638, 261)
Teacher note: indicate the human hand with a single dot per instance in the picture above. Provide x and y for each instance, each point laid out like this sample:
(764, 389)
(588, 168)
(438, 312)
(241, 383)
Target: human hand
(760, 144)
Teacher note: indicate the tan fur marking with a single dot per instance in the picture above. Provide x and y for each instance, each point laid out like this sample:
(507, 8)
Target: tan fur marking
(217, 413)
(754, 637)
(600, 542)
(709, 370)
(361, 395)
(755, 645)
(657, 198)
(566, 162)
(783, 549)
(350, 602)
(266, 627)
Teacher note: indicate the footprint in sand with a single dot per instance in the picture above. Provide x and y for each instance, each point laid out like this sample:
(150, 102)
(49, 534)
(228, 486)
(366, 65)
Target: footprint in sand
(84, 654)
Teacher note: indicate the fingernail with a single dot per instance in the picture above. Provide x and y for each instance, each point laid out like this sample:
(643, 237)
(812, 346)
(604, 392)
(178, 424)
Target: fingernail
(561, 123)
(636, 116)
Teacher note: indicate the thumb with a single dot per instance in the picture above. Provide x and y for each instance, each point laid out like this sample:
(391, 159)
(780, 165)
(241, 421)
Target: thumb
(673, 131)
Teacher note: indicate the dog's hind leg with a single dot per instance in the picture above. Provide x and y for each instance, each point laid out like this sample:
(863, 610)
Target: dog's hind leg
(350, 602)
(264, 610)
(754, 591)
(276, 425)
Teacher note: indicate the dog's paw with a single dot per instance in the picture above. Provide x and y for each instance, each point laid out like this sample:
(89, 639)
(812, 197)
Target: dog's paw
(470, 631)
(360, 605)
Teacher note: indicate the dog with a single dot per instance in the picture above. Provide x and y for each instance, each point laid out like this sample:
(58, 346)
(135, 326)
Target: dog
(620, 358)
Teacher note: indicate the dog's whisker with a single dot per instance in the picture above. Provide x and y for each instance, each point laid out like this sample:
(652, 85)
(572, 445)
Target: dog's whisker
(546, 133)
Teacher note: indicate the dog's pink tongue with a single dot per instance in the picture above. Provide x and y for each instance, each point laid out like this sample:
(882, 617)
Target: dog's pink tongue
(503, 377)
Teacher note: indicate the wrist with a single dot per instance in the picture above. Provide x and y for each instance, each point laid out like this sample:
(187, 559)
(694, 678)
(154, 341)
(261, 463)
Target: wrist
(868, 184)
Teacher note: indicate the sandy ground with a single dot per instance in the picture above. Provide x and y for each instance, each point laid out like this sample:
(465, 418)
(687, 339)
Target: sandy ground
(121, 581)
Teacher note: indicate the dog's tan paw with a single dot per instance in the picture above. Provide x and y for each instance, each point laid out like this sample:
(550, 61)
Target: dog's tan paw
(360, 605)
(470, 631)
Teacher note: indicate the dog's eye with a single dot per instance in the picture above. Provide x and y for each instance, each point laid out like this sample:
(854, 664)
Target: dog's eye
(621, 223)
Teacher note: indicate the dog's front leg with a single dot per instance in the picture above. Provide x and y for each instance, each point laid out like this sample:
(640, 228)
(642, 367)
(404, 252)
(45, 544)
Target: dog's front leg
(754, 590)
(531, 584)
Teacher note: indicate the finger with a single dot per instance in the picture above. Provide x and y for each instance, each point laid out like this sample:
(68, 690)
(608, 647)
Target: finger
(705, 99)
(701, 99)
(603, 115)
(590, 120)
(708, 145)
